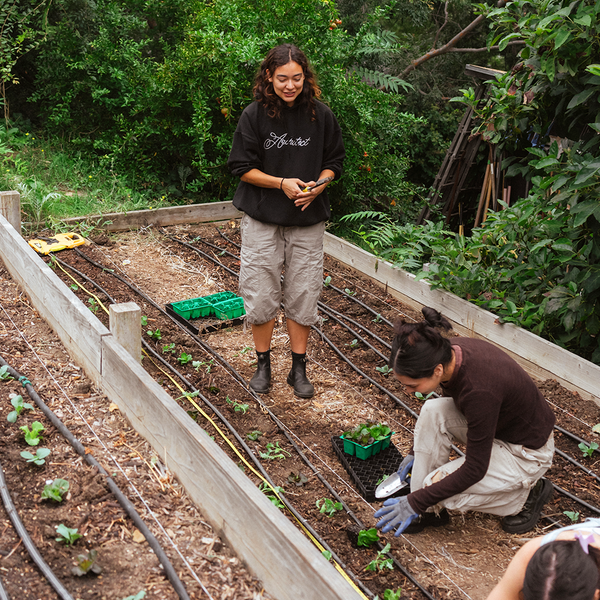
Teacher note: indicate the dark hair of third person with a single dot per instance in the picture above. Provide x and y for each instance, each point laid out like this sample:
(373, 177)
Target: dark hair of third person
(561, 570)
(263, 89)
(418, 348)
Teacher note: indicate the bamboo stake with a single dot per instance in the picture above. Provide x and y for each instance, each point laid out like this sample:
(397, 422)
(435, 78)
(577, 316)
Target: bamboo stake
(483, 190)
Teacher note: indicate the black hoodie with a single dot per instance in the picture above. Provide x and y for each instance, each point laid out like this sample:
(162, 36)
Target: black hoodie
(290, 146)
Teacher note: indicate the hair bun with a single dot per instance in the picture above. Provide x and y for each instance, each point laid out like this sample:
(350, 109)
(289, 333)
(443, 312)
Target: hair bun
(434, 318)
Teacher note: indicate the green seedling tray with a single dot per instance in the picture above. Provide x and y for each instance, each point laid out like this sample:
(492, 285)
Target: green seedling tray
(230, 309)
(204, 306)
(365, 452)
(192, 309)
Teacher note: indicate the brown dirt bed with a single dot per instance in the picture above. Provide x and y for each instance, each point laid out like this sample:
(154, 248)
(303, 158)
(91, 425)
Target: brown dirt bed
(461, 560)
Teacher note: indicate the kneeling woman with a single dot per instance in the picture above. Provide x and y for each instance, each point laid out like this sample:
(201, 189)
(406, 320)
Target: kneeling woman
(493, 407)
(563, 565)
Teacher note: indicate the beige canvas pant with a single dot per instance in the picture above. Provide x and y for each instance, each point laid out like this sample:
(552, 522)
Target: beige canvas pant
(512, 472)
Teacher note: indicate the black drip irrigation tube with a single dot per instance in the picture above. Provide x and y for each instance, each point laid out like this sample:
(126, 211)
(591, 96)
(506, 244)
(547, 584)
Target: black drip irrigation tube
(31, 548)
(258, 464)
(279, 424)
(3, 594)
(114, 488)
(340, 354)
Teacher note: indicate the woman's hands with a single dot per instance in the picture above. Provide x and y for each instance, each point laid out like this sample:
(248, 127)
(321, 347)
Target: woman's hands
(292, 187)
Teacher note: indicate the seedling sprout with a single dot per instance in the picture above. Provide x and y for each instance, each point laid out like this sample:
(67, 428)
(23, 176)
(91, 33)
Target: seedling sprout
(326, 554)
(237, 407)
(168, 348)
(185, 358)
(266, 489)
(350, 292)
(39, 458)
(273, 452)
(138, 596)
(328, 507)
(93, 305)
(327, 281)
(573, 516)
(380, 563)
(390, 594)
(254, 435)
(155, 335)
(67, 535)
(588, 450)
(367, 537)
(87, 563)
(4, 374)
(33, 437)
(19, 406)
(55, 490)
(298, 480)
(385, 369)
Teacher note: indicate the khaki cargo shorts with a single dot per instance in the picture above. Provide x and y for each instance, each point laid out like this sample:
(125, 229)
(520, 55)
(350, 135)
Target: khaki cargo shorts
(266, 250)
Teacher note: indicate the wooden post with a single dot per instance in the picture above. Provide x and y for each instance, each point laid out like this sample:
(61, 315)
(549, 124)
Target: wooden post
(10, 208)
(125, 323)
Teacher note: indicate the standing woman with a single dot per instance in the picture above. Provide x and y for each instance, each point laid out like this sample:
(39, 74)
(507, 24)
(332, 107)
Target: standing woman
(493, 407)
(284, 143)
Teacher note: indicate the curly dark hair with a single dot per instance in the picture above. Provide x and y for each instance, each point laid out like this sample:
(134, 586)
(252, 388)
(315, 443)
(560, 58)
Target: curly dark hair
(418, 348)
(263, 89)
(561, 570)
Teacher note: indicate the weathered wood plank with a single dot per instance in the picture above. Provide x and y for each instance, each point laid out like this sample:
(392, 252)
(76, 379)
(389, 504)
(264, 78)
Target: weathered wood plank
(174, 215)
(10, 208)
(288, 565)
(538, 356)
(61, 309)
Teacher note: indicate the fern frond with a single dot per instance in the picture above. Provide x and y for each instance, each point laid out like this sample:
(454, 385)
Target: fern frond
(365, 214)
(382, 80)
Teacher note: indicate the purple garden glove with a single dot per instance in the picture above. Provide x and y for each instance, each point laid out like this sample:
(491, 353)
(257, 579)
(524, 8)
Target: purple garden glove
(405, 468)
(395, 511)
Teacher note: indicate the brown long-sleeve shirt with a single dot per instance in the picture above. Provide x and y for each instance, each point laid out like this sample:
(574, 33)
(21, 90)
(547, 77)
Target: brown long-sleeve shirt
(500, 401)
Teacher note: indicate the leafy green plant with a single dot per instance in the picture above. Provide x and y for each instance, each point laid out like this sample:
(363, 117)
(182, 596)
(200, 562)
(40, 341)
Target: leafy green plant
(353, 344)
(169, 348)
(368, 433)
(379, 563)
(382, 479)
(350, 292)
(328, 507)
(33, 437)
(144, 321)
(573, 516)
(55, 490)
(385, 369)
(326, 554)
(19, 406)
(4, 374)
(200, 363)
(237, 407)
(185, 358)
(86, 563)
(327, 281)
(254, 435)
(266, 489)
(244, 350)
(67, 535)
(377, 319)
(93, 305)
(74, 287)
(273, 451)
(390, 594)
(588, 450)
(423, 397)
(154, 334)
(39, 458)
(367, 537)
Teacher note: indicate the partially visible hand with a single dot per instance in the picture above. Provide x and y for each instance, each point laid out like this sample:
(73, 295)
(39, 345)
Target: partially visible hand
(395, 511)
(303, 199)
(405, 468)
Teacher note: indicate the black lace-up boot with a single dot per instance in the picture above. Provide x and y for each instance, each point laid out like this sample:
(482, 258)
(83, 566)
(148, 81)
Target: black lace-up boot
(261, 380)
(303, 388)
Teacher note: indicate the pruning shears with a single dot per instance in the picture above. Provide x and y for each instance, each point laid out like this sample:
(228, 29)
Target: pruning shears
(318, 183)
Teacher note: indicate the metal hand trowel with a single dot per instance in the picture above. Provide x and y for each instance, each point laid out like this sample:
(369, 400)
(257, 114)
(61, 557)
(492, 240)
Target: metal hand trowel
(390, 486)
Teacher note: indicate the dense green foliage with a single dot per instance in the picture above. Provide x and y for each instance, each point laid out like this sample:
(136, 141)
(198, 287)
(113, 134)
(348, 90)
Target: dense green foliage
(537, 263)
(155, 88)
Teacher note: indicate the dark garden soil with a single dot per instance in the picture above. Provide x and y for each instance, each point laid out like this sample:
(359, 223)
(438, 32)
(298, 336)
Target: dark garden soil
(461, 560)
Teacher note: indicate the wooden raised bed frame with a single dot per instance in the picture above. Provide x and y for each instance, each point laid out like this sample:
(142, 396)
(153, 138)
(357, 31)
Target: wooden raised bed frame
(289, 566)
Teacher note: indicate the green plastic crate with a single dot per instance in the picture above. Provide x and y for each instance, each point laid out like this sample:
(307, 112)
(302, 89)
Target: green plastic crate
(219, 297)
(364, 452)
(192, 309)
(230, 309)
